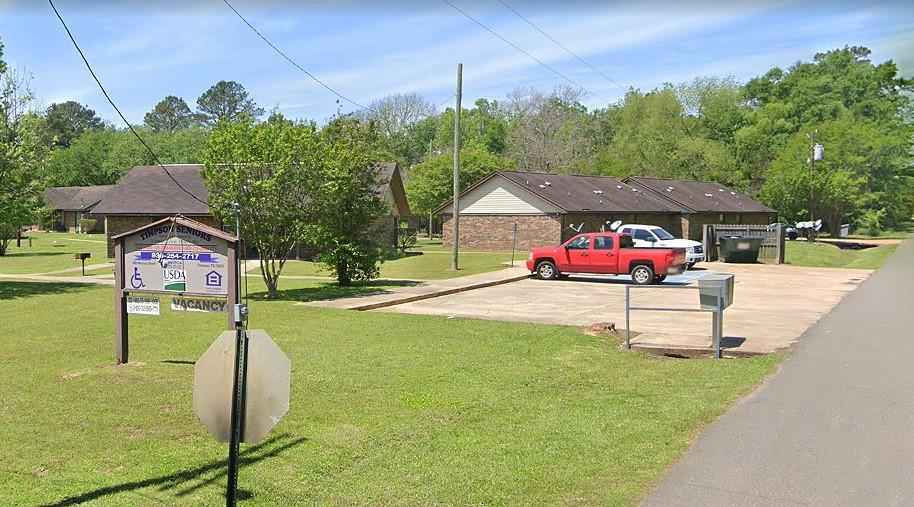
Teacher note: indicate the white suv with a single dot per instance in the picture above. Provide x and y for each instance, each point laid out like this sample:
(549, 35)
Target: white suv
(654, 236)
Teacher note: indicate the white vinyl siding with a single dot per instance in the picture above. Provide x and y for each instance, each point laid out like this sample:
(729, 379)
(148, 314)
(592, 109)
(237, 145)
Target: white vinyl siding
(499, 196)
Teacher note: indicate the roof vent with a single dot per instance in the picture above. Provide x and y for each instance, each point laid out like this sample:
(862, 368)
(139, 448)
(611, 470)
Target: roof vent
(598, 191)
(709, 195)
(542, 186)
(547, 183)
(732, 193)
(720, 190)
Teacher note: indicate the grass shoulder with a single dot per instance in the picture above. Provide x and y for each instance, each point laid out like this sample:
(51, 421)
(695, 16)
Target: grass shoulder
(386, 408)
(817, 254)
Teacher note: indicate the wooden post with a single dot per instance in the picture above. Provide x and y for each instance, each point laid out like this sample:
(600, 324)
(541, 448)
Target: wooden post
(121, 339)
(455, 219)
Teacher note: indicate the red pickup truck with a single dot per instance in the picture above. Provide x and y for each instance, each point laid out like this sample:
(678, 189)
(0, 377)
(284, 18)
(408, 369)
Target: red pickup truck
(607, 253)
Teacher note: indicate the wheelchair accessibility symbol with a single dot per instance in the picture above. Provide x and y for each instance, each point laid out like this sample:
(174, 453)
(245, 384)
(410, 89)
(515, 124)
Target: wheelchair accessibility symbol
(136, 281)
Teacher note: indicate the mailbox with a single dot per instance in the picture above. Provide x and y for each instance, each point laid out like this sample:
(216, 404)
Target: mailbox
(81, 256)
(708, 287)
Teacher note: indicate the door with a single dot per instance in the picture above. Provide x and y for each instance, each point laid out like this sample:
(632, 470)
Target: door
(578, 255)
(604, 258)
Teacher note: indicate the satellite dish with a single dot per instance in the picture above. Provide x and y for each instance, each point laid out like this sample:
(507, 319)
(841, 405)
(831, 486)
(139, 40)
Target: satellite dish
(615, 225)
(819, 223)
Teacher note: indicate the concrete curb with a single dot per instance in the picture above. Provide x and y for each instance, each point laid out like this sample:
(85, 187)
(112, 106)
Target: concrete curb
(429, 295)
(692, 352)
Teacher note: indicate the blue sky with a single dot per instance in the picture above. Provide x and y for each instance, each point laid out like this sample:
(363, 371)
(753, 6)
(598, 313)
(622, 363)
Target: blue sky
(143, 51)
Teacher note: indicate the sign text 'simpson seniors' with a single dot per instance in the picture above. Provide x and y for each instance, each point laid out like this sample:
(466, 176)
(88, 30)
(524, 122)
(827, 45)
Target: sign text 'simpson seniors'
(181, 259)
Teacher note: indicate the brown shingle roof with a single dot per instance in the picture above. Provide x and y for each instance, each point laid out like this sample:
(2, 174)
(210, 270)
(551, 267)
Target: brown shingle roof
(700, 196)
(583, 194)
(148, 190)
(74, 198)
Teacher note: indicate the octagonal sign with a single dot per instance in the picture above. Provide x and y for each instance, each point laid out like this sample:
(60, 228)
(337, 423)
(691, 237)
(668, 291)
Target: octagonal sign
(268, 379)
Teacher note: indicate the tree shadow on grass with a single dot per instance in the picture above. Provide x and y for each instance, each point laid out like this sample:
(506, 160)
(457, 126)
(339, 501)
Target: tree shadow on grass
(12, 255)
(10, 289)
(189, 480)
(330, 290)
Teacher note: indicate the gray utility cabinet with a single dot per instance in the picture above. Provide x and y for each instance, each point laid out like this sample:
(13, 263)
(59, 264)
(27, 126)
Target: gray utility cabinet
(708, 287)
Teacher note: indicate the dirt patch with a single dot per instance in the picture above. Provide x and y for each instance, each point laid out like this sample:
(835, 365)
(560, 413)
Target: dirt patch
(43, 471)
(70, 374)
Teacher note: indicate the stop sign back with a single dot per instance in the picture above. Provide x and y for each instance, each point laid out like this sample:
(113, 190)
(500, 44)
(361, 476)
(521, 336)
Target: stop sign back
(268, 382)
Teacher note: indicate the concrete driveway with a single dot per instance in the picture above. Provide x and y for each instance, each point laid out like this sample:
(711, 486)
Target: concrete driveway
(772, 307)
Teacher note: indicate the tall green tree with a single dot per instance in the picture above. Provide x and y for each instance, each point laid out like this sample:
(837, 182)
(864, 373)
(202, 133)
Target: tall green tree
(345, 203)
(20, 150)
(226, 99)
(101, 157)
(68, 120)
(263, 170)
(171, 114)
(431, 181)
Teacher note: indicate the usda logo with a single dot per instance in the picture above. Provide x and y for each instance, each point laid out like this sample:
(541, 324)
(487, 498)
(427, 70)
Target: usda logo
(174, 280)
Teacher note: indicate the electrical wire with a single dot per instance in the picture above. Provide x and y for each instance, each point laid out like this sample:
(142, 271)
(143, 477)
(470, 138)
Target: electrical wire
(518, 48)
(559, 44)
(290, 60)
(113, 105)
(445, 102)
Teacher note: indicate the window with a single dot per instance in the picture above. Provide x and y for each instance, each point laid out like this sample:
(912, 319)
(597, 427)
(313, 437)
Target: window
(602, 243)
(643, 235)
(626, 242)
(626, 230)
(582, 243)
(662, 234)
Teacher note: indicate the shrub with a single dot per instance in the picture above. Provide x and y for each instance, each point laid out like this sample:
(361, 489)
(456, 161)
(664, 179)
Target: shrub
(86, 225)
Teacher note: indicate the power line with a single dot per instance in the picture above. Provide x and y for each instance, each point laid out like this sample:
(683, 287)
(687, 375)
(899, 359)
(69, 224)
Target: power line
(446, 101)
(518, 48)
(119, 113)
(559, 44)
(299, 67)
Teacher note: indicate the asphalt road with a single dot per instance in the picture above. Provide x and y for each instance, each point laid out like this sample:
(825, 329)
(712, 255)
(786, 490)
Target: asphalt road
(834, 427)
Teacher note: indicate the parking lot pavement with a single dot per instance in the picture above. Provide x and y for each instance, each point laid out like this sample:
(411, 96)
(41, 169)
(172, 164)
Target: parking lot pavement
(772, 305)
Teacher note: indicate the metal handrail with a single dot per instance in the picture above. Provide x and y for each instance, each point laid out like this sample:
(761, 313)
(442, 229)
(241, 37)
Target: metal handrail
(717, 323)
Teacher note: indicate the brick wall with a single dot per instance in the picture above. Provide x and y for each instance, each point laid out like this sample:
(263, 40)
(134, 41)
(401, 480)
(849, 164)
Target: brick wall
(494, 232)
(119, 224)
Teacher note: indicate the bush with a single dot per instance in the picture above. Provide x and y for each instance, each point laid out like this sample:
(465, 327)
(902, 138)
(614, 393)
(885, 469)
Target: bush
(86, 225)
(406, 237)
(871, 223)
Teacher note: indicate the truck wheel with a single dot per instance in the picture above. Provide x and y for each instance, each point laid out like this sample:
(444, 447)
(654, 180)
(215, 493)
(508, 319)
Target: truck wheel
(643, 275)
(546, 270)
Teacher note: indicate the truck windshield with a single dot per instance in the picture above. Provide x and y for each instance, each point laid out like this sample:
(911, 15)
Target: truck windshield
(662, 234)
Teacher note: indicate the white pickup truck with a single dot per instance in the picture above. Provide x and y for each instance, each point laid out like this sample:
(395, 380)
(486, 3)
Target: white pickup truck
(658, 237)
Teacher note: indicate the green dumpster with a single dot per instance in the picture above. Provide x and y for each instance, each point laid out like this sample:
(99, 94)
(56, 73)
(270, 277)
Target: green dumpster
(736, 249)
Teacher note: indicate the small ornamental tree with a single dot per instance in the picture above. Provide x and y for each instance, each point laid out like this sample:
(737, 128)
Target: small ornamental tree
(346, 205)
(264, 168)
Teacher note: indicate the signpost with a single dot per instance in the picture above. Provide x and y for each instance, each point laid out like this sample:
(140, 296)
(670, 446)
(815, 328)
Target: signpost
(242, 382)
(174, 256)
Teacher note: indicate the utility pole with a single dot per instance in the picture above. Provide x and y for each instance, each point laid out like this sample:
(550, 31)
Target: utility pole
(812, 171)
(455, 217)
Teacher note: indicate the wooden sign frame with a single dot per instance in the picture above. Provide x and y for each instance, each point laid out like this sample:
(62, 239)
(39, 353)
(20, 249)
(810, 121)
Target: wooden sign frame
(121, 291)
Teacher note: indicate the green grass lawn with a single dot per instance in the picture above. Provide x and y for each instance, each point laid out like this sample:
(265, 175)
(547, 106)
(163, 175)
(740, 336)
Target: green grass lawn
(386, 408)
(430, 264)
(802, 253)
(52, 251)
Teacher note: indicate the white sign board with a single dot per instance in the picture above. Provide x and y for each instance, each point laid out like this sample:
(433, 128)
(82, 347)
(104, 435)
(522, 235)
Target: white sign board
(142, 305)
(186, 304)
(178, 259)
